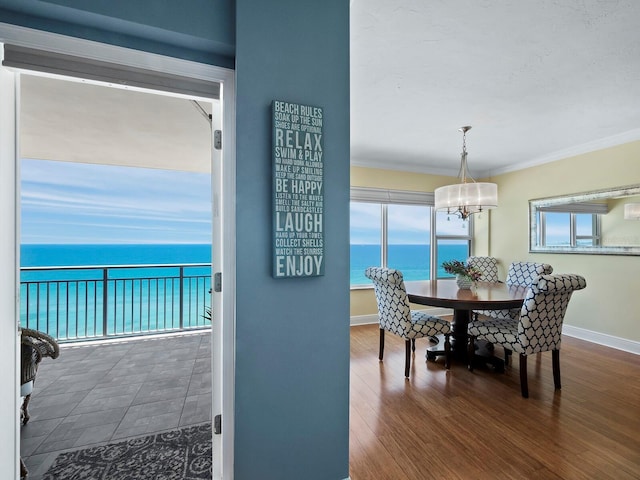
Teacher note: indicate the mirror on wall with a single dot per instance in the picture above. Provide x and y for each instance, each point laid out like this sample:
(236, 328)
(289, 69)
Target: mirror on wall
(598, 222)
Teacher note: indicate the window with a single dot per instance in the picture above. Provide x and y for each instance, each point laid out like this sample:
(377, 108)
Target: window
(453, 240)
(587, 228)
(408, 233)
(396, 229)
(366, 235)
(569, 229)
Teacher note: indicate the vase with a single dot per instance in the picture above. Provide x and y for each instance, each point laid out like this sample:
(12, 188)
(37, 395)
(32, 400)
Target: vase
(464, 282)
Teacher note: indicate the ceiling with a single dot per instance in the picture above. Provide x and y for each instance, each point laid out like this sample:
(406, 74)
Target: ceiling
(538, 81)
(79, 121)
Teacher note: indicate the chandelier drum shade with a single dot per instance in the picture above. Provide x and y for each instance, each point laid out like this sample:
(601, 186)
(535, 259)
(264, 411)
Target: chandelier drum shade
(468, 196)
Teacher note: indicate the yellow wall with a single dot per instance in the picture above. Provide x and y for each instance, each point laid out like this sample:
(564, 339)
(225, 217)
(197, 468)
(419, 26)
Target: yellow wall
(609, 304)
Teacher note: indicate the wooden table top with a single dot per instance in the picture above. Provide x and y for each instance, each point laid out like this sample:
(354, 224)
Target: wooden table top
(445, 293)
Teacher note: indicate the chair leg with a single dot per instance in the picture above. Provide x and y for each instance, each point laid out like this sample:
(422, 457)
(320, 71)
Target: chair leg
(555, 356)
(447, 352)
(507, 356)
(524, 385)
(25, 409)
(413, 344)
(471, 352)
(23, 469)
(380, 355)
(407, 358)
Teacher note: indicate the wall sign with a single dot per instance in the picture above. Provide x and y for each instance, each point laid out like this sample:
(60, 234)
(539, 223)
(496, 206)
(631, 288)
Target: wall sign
(298, 190)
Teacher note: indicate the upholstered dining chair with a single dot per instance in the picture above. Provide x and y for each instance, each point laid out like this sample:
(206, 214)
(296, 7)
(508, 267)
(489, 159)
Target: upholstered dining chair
(396, 316)
(489, 268)
(519, 273)
(538, 328)
(487, 265)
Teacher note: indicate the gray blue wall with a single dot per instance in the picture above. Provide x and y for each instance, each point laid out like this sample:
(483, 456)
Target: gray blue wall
(292, 347)
(292, 350)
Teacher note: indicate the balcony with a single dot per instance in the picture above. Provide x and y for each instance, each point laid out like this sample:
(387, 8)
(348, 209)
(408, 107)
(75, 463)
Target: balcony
(135, 355)
(96, 393)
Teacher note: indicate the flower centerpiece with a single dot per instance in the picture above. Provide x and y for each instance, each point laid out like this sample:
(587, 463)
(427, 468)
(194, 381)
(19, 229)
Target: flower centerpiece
(466, 275)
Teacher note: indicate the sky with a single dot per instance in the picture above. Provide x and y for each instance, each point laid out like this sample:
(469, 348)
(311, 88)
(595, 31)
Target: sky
(75, 203)
(558, 229)
(407, 224)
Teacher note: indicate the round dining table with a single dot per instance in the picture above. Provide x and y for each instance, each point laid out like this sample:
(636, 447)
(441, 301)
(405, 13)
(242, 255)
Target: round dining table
(483, 296)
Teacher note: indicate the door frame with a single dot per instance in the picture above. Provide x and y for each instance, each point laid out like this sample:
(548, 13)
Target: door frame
(223, 207)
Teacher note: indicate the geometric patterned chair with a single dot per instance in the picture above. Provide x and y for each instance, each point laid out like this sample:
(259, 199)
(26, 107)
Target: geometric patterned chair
(489, 268)
(520, 273)
(524, 273)
(538, 328)
(487, 265)
(396, 316)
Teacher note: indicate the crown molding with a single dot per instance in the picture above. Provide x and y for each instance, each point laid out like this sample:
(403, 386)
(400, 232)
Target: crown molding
(600, 144)
(595, 145)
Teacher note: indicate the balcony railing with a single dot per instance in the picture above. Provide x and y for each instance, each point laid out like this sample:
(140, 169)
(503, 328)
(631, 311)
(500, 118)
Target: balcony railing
(88, 302)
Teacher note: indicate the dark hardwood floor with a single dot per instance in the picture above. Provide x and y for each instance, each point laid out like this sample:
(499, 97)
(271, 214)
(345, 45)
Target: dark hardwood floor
(462, 425)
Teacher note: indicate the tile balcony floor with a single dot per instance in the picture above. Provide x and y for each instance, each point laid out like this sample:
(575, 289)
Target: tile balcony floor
(102, 393)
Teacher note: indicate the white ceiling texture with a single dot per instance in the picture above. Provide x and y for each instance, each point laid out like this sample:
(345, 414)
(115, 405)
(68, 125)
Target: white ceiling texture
(538, 81)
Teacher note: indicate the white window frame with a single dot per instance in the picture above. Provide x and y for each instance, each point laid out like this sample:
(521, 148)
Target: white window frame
(386, 197)
(595, 237)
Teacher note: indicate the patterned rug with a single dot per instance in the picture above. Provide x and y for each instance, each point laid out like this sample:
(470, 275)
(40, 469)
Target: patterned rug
(182, 454)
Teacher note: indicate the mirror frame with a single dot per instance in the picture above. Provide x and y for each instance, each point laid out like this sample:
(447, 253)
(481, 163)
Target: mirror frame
(629, 190)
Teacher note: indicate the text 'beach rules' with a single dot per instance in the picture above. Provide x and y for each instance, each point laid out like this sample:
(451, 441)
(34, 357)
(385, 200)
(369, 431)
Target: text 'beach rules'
(298, 190)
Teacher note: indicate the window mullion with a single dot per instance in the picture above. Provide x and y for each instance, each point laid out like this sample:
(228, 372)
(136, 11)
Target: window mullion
(384, 234)
(433, 254)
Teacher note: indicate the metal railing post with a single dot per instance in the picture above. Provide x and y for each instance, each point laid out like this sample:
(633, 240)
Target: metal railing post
(105, 300)
(181, 296)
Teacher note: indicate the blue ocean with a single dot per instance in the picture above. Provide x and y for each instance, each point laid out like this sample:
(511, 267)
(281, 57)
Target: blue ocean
(411, 260)
(41, 255)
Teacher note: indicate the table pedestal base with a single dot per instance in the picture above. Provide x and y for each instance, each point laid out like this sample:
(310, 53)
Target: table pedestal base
(459, 340)
(485, 357)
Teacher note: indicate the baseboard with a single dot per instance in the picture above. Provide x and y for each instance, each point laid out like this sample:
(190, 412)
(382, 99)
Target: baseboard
(363, 319)
(602, 339)
(371, 319)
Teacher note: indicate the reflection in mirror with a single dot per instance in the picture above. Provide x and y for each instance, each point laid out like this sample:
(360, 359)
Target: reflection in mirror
(632, 211)
(597, 222)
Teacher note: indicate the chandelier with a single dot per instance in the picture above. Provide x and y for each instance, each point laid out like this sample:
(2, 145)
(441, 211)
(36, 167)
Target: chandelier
(468, 196)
